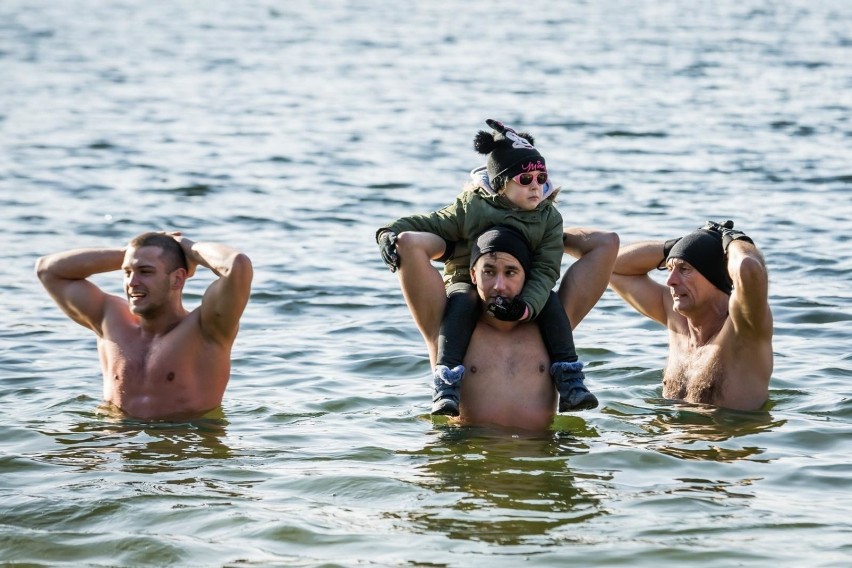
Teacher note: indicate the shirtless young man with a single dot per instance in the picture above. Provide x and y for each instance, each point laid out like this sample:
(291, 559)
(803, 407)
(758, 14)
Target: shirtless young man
(159, 361)
(715, 306)
(508, 382)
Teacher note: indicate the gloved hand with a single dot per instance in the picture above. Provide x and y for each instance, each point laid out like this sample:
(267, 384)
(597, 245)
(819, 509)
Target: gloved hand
(718, 227)
(387, 246)
(729, 234)
(505, 309)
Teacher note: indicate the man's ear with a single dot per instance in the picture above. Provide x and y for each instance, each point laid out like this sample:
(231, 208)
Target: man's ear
(178, 278)
(473, 276)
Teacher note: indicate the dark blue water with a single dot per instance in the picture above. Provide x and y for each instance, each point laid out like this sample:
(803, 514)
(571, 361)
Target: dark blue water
(291, 132)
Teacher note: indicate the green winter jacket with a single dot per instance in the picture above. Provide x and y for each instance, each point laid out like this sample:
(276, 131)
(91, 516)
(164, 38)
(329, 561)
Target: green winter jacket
(476, 210)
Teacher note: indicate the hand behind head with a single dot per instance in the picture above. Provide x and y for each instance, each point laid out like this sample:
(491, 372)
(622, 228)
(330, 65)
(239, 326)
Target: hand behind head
(186, 246)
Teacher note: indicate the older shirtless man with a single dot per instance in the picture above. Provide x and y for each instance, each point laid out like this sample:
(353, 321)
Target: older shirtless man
(715, 306)
(508, 382)
(159, 361)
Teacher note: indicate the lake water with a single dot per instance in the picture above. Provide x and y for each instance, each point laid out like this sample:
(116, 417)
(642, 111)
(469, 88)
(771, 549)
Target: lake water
(291, 131)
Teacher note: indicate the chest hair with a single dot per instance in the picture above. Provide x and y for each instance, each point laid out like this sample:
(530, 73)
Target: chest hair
(696, 376)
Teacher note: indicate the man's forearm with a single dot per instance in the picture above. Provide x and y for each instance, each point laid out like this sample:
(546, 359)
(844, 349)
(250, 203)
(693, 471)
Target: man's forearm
(79, 264)
(638, 258)
(586, 279)
(578, 241)
(217, 257)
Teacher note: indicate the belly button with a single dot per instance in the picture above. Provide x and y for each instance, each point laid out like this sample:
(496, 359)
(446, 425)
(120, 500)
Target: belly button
(473, 369)
(170, 377)
(541, 368)
(116, 377)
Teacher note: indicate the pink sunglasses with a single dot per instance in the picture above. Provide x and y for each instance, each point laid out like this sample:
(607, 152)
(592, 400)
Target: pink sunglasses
(526, 179)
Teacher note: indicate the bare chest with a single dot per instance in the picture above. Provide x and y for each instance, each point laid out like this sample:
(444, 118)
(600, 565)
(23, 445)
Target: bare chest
(507, 379)
(136, 360)
(177, 373)
(134, 363)
(694, 374)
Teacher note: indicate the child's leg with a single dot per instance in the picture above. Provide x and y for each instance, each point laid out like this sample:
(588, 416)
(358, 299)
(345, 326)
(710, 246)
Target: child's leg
(556, 331)
(566, 369)
(457, 325)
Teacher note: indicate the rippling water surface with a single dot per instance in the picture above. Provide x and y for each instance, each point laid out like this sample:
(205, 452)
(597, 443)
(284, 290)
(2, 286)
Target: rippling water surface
(291, 131)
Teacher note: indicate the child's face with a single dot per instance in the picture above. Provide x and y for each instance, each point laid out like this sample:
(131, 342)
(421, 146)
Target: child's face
(525, 197)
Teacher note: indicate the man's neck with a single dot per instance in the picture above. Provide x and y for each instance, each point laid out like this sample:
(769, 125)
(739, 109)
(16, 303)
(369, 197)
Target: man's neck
(162, 322)
(498, 324)
(705, 325)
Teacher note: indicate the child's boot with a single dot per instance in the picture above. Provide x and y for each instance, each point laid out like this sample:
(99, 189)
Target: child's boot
(573, 394)
(445, 399)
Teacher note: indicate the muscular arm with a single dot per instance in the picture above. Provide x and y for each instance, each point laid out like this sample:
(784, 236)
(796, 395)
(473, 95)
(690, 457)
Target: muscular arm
(64, 275)
(422, 285)
(749, 305)
(585, 280)
(226, 298)
(631, 281)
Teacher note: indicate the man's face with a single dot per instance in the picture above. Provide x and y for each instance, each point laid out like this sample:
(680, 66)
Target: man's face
(497, 274)
(146, 282)
(689, 288)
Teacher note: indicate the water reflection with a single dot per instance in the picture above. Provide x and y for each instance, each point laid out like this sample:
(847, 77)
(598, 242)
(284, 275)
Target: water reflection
(107, 440)
(500, 487)
(693, 431)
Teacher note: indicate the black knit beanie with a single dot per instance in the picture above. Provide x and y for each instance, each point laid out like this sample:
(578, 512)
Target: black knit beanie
(509, 153)
(503, 239)
(703, 250)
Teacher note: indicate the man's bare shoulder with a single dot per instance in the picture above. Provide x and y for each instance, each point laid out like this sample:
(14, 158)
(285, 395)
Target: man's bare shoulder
(117, 316)
(740, 343)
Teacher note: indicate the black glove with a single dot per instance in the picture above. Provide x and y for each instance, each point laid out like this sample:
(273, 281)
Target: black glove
(505, 309)
(729, 235)
(718, 227)
(387, 246)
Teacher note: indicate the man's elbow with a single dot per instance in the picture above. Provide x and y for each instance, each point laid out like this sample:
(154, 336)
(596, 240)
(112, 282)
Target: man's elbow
(610, 242)
(750, 269)
(42, 268)
(610, 239)
(241, 263)
(241, 268)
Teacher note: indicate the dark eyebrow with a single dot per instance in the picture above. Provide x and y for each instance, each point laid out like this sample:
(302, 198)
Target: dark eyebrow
(137, 267)
(493, 265)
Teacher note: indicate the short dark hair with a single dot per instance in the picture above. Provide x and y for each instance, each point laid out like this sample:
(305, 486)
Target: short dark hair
(172, 252)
